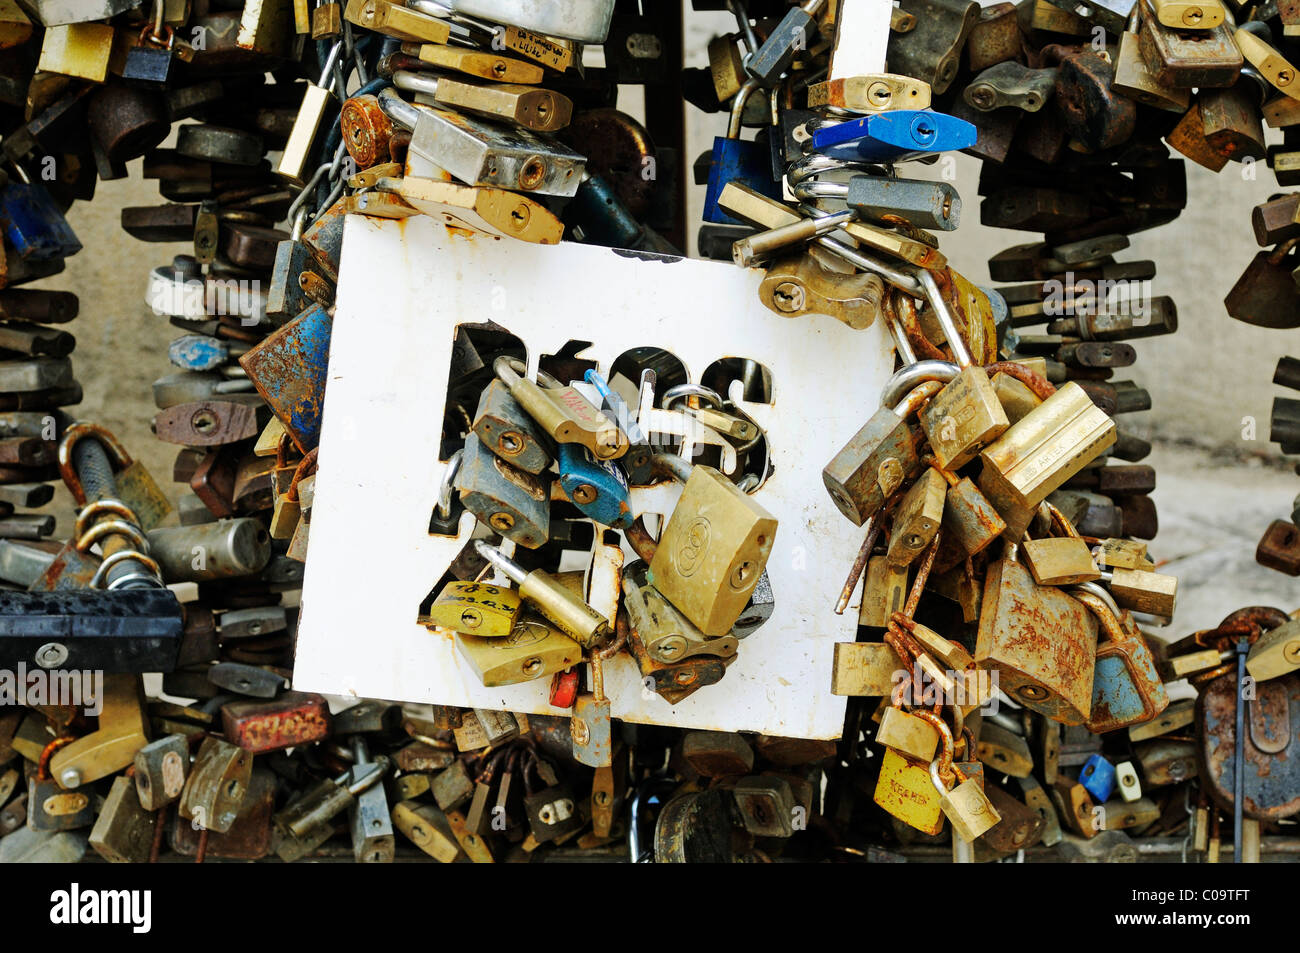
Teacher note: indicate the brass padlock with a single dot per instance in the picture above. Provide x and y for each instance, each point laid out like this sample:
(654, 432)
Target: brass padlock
(1045, 448)
(532, 649)
(918, 517)
(475, 608)
(713, 549)
(883, 592)
(561, 411)
(217, 785)
(123, 833)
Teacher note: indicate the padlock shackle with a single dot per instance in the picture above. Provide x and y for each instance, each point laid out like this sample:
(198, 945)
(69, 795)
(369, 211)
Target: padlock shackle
(398, 109)
(943, 314)
(414, 82)
(906, 378)
(917, 397)
(78, 431)
(1082, 589)
(683, 391)
(738, 107)
(1109, 619)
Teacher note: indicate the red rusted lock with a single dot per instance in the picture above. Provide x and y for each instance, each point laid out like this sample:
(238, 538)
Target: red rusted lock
(564, 688)
(295, 718)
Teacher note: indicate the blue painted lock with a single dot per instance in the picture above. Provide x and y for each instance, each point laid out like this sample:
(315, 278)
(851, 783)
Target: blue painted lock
(34, 226)
(741, 161)
(893, 136)
(1126, 687)
(597, 487)
(288, 369)
(198, 352)
(1098, 777)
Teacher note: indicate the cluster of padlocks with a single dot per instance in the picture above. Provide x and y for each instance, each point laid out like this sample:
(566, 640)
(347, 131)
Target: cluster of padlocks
(1004, 692)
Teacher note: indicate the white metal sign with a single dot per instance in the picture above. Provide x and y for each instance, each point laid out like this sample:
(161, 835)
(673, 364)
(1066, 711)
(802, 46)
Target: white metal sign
(404, 287)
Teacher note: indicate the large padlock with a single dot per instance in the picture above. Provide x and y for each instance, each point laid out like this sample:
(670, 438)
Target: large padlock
(713, 549)
(1044, 658)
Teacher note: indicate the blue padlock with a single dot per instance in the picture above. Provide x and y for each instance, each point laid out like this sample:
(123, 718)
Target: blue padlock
(1098, 778)
(893, 136)
(34, 226)
(597, 487)
(742, 161)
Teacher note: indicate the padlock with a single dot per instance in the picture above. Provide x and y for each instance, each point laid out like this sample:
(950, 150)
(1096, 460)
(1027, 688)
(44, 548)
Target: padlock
(529, 107)
(1040, 452)
(865, 668)
(884, 591)
(665, 632)
(288, 368)
(426, 827)
(737, 161)
(397, 20)
(893, 136)
(513, 503)
(1010, 85)
(1143, 591)
(552, 813)
(597, 487)
(1275, 653)
(1044, 659)
(311, 124)
(562, 412)
(1254, 42)
(1004, 751)
(798, 283)
(907, 734)
(1187, 59)
(1091, 111)
(479, 153)
(931, 51)
(161, 768)
(712, 550)
(1098, 778)
(81, 50)
(123, 832)
(878, 459)
(1221, 125)
(369, 821)
(33, 225)
(294, 718)
(250, 836)
(475, 608)
(216, 786)
(1267, 785)
(555, 600)
(1021, 825)
(970, 523)
(49, 806)
(917, 518)
(510, 433)
(590, 725)
(532, 649)
(766, 804)
(873, 92)
(327, 799)
(483, 64)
